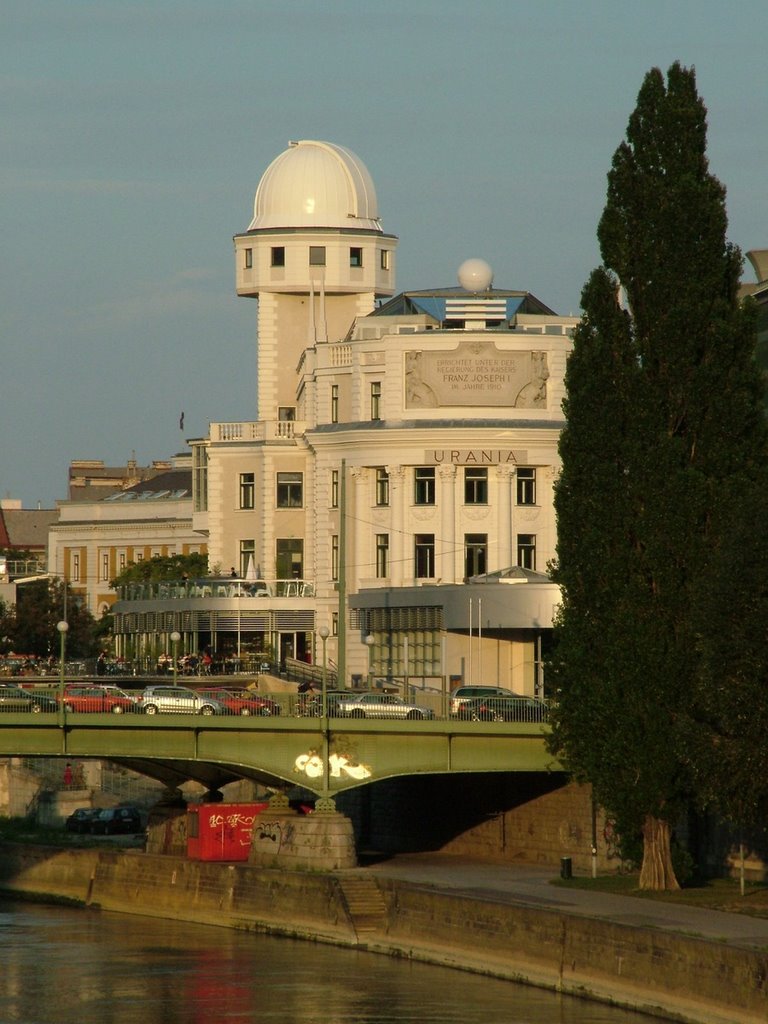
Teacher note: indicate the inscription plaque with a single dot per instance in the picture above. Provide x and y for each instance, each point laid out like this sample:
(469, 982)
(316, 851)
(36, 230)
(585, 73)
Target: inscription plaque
(476, 373)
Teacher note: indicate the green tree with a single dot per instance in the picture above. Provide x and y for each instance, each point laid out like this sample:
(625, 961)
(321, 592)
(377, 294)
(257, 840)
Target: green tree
(39, 606)
(163, 567)
(728, 747)
(7, 626)
(664, 426)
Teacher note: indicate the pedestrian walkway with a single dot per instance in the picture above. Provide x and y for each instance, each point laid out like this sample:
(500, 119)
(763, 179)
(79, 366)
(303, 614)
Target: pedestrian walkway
(529, 886)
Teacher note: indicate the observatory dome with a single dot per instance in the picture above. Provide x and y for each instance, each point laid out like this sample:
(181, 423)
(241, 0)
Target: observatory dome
(316, 184)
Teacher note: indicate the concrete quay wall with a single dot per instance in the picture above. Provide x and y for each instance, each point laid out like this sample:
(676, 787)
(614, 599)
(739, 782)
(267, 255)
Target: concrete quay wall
(668, 975)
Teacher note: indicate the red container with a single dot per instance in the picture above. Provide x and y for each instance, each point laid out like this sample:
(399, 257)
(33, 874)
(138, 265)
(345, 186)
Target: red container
(221, 831)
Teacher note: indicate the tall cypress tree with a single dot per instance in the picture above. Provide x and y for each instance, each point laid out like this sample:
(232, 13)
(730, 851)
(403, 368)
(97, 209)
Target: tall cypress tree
(664, 425)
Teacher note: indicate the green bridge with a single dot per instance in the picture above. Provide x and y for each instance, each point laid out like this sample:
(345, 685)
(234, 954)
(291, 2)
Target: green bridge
(279, 751)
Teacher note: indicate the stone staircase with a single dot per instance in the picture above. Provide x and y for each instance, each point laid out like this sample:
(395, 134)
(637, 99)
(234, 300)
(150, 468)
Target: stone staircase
(365, 903)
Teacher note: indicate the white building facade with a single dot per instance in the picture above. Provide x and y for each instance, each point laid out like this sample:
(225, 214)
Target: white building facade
(402, 446)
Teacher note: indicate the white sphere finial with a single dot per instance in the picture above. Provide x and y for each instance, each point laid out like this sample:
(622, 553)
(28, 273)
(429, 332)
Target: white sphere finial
(475, 275)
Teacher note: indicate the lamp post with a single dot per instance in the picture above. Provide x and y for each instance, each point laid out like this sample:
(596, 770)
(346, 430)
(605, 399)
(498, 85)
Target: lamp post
(325, 802)
(324, 634)
(370, 640)
(62, 627)
(175, 637)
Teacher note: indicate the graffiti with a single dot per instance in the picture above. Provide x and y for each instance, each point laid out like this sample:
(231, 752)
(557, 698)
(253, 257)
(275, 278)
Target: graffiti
(311, 765)
(231, 820)
(270, 830)
(273, 832)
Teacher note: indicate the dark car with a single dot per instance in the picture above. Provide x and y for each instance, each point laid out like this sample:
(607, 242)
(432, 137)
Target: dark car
(239, 701)
(310, 704)
(116, 821)
(503, 709)
(13, 698)
(80, 820)
(462, 694)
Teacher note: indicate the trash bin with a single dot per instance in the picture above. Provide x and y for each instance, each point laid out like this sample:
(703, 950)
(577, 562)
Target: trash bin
(566, 867)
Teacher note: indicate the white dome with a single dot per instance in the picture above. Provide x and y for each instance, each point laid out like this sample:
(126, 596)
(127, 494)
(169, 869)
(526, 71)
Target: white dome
(475, 275)
(316, 184)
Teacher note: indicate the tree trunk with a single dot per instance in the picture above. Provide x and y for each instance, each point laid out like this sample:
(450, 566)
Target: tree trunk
(657, 871)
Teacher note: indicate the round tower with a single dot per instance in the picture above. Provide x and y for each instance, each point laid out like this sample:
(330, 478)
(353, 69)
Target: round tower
(314, 255)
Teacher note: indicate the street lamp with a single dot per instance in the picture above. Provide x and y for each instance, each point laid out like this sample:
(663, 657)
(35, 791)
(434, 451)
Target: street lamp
(62, 627)
(325, 803)
(370, 640)
(324, 634)
(175, 637)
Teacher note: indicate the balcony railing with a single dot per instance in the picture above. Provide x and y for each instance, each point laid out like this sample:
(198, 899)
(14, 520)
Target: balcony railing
(260, 430)
(209, 587)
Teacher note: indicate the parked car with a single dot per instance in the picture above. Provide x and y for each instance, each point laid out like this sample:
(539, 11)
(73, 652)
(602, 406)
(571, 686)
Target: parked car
(503, 709)
(80, 820)
(462, 694)
(380, 705)
(310, 704)
(85, 698)
(240, 701)
(116, 821)
(178, 700)
(13, 698)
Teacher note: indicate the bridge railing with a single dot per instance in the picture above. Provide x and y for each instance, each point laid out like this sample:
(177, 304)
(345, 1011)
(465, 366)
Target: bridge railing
(45, 698)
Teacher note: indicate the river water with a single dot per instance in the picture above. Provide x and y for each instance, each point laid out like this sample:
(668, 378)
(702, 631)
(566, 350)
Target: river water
(64, 965)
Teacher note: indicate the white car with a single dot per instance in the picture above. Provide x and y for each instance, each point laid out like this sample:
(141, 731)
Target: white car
(380, 705)
(178, 700)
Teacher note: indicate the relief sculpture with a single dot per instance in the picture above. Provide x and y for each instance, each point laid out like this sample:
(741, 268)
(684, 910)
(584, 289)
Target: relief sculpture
(534, 394)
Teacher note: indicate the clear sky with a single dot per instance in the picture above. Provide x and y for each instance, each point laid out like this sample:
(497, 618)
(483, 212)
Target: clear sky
(133, 134)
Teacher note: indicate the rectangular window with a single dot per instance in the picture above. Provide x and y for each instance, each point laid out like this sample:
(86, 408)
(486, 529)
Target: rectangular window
(121, 561)
(475, 486)
(382, 556)
(376, 400)
(475, 554)
(289, 553)
(247, 556)
(355, 256)
(334, 403)
(334, 623)
(290, 490)
(526, 486)
(286, 413)
(382, 486)
(278, 255)
(385, 259)
(317, 255)
(424, 485)
(76, 568)
(335, 556)
(526, 550)
(105, 566)
(424, 555)
(334, 488)
(199, 478)
(248, 258)
(247, 490)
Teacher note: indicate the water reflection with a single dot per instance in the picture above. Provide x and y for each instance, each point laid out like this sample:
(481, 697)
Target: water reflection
(69, 966)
